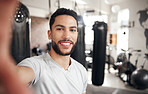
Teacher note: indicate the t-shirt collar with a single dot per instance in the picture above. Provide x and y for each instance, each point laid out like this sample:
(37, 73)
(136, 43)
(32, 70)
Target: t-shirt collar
(49, 58)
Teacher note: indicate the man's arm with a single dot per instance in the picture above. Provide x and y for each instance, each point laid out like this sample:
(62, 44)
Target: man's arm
(9, 80)
(25, 74)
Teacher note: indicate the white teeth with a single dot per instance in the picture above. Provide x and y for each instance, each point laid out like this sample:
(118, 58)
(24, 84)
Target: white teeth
(65, 43)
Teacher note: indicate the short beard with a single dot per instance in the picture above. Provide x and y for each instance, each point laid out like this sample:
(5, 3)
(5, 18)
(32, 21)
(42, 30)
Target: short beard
(57, 49)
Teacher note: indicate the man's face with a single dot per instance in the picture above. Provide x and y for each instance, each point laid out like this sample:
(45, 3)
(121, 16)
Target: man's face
(64, 34)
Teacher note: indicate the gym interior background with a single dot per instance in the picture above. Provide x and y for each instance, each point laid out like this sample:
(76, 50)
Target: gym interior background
(125, 23)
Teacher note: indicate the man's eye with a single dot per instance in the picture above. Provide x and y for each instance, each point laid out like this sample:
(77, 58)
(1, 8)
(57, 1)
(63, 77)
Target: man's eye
(59, 29)
(73, 30)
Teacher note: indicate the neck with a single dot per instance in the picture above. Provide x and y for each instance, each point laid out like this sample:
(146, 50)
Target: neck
(63, 61)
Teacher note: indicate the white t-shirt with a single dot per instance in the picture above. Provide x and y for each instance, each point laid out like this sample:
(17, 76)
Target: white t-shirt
(51, 78)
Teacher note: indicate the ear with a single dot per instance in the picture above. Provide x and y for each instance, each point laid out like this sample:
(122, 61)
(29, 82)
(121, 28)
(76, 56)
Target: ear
(49, 34)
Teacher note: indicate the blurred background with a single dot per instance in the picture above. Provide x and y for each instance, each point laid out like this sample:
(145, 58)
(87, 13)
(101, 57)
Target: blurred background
(125, 23)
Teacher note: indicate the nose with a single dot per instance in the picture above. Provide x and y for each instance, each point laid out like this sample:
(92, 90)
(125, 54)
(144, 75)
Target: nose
(66, 34)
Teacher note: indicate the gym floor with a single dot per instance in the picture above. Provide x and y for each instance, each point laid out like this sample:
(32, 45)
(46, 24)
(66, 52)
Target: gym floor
(112, 85)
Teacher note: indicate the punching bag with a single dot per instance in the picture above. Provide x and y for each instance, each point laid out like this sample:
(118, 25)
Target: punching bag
(20, 45)
(99, 52)
(79, 51)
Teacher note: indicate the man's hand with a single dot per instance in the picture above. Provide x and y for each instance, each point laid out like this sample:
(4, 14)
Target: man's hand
(9, 80)
(7, 10)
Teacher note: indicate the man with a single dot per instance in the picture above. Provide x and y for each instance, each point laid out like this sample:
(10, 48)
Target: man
(55, 72)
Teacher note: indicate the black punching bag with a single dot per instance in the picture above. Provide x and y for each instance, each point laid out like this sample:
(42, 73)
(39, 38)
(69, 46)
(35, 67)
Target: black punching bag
(99, 52)
(79, 51)
(20, 46)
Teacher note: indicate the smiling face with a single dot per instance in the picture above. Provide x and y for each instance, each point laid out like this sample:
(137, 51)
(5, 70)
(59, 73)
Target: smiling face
(63, 34)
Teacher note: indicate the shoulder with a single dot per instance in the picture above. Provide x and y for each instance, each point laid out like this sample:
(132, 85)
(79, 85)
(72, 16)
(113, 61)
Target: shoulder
(78, 65)
(32, 60)
(36, 63)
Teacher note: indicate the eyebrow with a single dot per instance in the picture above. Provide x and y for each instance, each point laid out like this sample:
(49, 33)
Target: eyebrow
(64, 26)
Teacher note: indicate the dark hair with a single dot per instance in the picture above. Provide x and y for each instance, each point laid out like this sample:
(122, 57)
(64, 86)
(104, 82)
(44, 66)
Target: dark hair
(62, 11)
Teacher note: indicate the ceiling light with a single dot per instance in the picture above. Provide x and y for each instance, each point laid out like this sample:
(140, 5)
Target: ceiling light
(115, 8)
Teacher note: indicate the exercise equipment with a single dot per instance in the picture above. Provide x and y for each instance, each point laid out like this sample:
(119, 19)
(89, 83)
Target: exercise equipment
(79, 51)
(20, 46)
(99, 52)
(126, 68)
(121, 58)
(109, 59)
(139, 78)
